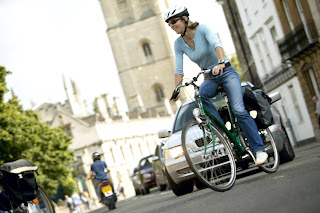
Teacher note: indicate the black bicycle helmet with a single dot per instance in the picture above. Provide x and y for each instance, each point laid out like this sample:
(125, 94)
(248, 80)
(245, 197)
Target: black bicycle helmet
(95, 156)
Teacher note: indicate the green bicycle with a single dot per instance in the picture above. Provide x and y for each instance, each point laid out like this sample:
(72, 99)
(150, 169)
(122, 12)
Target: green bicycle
(213, 151)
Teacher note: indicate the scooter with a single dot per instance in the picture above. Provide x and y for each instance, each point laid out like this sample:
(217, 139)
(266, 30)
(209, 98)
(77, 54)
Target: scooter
(108, 196)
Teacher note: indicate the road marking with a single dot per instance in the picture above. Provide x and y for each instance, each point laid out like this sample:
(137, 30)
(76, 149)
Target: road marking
(163, 193)
(278, 177)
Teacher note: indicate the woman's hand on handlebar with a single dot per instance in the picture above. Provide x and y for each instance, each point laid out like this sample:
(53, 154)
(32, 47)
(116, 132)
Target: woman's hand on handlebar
(174, 99)
(218, 69)
(175, 95)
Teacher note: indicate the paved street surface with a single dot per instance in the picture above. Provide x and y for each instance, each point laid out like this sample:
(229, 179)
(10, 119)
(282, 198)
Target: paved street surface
(293, 188)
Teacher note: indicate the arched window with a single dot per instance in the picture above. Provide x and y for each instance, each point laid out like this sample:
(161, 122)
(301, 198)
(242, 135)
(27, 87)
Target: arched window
(159, 92)
(146, 49)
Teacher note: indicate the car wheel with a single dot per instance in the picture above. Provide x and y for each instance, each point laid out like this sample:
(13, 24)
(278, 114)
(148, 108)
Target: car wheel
(163, 187)
(137, 192)
(147, 190)
(182, 188)
(142, 191)
(287, 153)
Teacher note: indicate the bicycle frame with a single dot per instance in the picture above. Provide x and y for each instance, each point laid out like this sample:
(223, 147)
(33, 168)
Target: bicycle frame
(232, 135)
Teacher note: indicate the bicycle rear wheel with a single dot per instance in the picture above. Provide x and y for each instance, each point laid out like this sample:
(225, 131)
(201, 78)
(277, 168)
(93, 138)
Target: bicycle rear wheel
(272, 163)
(41, 204)
(214, 168)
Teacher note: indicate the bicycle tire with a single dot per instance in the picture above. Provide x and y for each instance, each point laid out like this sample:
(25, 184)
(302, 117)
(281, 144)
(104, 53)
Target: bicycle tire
(44, 203)
(273, 161)
(216, 170)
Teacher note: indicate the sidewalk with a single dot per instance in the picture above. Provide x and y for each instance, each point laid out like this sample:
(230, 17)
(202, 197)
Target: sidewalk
(306, 146)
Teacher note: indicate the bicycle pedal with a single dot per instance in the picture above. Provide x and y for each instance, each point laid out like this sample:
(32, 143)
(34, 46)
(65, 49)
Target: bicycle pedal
(245, 156)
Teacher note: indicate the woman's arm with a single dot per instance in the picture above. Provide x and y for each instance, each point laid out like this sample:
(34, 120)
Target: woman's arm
(178, 81)
(218, 69)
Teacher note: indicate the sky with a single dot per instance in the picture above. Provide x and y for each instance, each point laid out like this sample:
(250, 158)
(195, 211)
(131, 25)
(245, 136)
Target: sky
(43, 40)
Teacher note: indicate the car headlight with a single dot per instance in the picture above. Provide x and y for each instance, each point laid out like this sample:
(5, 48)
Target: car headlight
(174, 152)
(146, 175)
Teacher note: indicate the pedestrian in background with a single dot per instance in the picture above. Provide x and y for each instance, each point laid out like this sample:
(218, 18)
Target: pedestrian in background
(69, 203)
(76, 202)
(121, 189)
(86, 194)
(317, 101)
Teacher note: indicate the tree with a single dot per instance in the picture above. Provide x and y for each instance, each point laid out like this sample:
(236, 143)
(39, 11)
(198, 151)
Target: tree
(235, 63)
(22, 135)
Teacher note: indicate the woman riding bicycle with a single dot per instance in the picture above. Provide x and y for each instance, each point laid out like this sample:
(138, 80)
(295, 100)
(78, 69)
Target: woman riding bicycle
(204, 48)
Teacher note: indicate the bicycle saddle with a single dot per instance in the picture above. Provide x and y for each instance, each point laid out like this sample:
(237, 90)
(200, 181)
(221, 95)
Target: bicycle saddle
(18, 166)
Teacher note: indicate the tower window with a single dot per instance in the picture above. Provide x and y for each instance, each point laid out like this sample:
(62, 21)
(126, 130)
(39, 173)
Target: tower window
(146, 49)
(159, 93)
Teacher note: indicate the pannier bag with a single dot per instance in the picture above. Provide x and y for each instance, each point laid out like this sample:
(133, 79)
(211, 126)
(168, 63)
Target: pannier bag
(256, 99)
(18, 181)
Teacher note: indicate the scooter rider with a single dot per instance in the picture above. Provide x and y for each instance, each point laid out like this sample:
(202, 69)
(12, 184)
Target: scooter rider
(98, 171)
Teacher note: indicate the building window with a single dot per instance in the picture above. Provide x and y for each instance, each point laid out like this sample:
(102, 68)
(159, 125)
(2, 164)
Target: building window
(112, 154)
(311, 81)
(67, 129)
(122, 152)
(266, 50)
(159, 92)
(287, 11)
(146, 49)
(259, 54)
(274, 34)
(123, 8)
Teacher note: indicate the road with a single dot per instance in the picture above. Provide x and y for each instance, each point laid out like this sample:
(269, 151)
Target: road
(293, 188)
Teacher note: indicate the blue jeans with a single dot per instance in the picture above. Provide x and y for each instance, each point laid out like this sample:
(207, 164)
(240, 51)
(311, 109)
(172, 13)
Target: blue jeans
(232, 85)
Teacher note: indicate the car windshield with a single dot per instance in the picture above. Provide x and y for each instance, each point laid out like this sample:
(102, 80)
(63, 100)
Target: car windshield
(185, 112)
(146, 163)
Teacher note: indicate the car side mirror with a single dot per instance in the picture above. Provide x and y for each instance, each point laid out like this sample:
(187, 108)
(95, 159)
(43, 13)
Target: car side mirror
(164, 133)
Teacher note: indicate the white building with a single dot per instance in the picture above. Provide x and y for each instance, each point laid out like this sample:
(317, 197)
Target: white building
(263, 29)
(120, 141)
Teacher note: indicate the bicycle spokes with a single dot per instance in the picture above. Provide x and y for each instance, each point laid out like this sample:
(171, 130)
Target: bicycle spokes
(214, 165)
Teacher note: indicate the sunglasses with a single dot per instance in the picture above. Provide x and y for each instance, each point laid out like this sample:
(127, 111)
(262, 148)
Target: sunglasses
(173, 21)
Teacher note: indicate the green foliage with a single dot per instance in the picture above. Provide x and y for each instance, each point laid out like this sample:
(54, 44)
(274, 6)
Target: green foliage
(235, 63)
(69, 185)
(22, 135)
(3, 88)
(95, 107)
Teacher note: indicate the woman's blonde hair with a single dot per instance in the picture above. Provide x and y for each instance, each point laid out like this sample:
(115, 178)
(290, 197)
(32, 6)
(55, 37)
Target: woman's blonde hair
(192, 25)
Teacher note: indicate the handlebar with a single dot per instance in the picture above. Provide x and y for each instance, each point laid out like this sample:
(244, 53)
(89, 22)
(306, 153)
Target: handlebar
(176, 91)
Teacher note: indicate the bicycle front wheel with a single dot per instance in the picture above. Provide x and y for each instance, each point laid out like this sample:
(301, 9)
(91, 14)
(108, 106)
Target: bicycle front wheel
(42, 203)
(214, 168)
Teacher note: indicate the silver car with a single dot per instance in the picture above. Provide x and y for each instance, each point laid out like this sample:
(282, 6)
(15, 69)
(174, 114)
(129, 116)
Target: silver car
(179, 175)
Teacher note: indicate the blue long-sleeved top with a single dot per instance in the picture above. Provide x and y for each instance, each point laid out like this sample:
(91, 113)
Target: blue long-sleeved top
(204, 54)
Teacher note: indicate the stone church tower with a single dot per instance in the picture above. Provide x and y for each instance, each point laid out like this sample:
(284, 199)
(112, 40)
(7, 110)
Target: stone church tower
(143, 53)
(76, 102)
